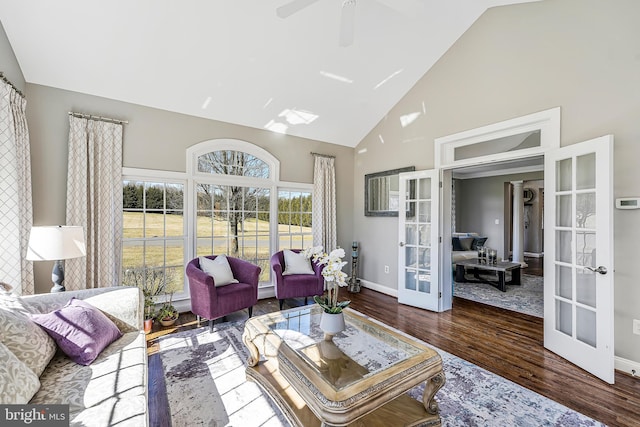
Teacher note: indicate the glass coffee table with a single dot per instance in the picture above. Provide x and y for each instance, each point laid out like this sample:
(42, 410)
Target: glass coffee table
(360, 376)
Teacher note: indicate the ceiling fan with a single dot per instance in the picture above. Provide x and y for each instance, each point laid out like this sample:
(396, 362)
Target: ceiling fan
(347, 18)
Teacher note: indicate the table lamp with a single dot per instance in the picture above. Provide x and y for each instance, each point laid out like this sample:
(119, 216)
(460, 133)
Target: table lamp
(56, 243)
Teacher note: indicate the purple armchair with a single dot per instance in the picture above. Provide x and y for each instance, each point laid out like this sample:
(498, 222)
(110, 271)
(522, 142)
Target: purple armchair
(213, 302)
(296, 285)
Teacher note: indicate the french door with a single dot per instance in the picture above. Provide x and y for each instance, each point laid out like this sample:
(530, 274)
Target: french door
(418, 283)
(578, 270)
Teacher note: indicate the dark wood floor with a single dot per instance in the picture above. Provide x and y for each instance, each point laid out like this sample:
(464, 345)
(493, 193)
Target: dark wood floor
(506, 343)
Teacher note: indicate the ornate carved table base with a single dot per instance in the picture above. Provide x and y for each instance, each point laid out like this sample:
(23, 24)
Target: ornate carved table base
(318, 385)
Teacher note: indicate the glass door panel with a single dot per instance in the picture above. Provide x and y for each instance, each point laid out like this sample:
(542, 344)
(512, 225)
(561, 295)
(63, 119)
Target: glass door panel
(578, 290)
(418, 283)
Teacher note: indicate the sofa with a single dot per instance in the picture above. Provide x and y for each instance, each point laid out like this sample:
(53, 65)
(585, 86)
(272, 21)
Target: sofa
(108, 390)
(465, 246)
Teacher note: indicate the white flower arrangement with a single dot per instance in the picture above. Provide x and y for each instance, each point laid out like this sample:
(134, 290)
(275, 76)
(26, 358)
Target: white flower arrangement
(333, 275)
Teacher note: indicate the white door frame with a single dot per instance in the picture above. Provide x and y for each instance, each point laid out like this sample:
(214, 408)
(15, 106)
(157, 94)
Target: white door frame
(547, 122)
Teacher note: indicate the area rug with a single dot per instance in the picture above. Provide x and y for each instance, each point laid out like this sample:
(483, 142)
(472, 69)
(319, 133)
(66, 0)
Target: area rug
(527, 298)
(206, 386)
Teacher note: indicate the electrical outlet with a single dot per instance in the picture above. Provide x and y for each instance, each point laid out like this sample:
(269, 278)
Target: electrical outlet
(636, 326)
(386, 270)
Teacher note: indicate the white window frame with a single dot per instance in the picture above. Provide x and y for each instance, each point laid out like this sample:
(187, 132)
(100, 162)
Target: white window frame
(265, 289)
(166, 177)
(292, 187)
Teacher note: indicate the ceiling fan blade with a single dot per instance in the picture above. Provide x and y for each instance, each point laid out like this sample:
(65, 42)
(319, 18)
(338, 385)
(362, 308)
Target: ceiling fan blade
(347, 23)
(292, 7)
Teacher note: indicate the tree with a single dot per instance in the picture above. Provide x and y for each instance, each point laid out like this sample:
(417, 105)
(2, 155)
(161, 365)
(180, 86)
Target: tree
(238, 202)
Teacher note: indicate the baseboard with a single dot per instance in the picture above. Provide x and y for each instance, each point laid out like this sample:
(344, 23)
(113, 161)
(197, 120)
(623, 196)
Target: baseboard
(379, 288)
(533, 255)
(627, 366)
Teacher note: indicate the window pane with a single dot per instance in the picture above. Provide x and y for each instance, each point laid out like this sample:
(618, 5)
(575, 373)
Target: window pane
(153, 235)
(132, 195)
(132, 224)
(499, 145)
(230, 162)
(294, 219)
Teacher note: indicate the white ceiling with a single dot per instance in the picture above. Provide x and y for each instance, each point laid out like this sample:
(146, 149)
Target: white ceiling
(248, 63)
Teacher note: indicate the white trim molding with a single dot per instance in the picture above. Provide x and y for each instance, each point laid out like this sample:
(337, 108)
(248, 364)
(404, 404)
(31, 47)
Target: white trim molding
(547, 122)
(379, 288)
(627, 366)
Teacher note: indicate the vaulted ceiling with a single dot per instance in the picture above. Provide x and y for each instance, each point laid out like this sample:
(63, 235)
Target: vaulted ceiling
(238, 61)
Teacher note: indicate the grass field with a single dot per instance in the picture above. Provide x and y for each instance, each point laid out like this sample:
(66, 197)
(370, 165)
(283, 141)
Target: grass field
(164, 246)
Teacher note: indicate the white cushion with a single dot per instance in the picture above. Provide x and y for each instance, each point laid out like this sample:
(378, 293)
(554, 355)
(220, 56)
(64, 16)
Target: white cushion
(219, 269)
(22, 336)
(296, 263)
(18, 383)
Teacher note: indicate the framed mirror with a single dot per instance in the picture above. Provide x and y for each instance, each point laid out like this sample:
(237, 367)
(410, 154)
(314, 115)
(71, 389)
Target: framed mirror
(382, 192)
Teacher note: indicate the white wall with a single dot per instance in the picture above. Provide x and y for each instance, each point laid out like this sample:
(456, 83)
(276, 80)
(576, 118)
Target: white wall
(580, 55)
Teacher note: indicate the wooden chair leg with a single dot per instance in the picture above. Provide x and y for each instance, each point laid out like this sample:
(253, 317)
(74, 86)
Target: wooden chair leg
(211, 321)
(305, 300)
(281, 303)
(198, 318)
(250, 311)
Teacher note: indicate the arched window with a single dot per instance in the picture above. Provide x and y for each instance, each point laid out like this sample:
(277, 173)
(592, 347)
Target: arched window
(229, 201)
(234, 189)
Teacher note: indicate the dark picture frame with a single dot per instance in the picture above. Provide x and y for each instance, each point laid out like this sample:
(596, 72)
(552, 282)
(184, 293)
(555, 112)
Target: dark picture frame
(387, 206)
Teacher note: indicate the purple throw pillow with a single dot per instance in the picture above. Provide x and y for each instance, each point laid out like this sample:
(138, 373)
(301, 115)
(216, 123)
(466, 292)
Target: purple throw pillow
(80, 330)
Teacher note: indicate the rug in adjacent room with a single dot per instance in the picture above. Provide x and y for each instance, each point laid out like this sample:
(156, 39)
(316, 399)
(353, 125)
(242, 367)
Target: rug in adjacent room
(527, 298)
(206, 385)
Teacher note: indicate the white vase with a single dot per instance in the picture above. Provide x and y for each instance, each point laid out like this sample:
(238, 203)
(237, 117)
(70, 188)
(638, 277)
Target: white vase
(331, 324)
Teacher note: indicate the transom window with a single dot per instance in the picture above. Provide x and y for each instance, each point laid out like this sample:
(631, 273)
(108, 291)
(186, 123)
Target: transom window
(231, 162)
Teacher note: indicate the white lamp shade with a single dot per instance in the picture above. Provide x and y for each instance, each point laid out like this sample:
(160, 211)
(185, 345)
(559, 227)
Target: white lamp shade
(52, 243)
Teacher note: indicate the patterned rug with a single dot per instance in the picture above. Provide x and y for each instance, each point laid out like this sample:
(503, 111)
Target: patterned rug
(206, 386)
(527, 298)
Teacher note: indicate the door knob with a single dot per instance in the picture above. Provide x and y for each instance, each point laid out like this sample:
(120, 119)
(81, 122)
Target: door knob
(600, 269)
(401, 244)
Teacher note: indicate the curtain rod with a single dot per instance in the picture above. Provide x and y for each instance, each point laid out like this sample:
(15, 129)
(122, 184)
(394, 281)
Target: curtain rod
(6, 80)
(323, 155)
(100, 118)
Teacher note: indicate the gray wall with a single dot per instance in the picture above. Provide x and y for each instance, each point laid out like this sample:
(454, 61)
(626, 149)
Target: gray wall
(480, 201)
(8, 62)
(581, 55)
(156, 139)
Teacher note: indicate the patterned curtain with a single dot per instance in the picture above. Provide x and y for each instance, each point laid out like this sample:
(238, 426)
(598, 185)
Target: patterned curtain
(324, 203)
(15, 192)
(94, 201)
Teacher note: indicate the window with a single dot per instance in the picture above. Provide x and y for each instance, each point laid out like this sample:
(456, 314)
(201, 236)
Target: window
(231, 162)
(294, 219)
(234, 220)
(153, 249)
(229, 202)
(239, 208)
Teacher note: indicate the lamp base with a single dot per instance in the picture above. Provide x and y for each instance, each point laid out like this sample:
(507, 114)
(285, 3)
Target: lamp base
(57, 277)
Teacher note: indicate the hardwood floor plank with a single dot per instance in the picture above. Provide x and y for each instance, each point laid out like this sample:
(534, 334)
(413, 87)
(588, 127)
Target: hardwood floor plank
(506, 343)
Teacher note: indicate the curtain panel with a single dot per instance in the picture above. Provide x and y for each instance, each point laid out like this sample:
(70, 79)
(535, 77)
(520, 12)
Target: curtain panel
(15, 192)
(324, 203)
(94, 201)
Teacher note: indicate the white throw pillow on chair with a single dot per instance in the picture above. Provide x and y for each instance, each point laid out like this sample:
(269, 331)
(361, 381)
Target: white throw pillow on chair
(219, 269)
(296, 263)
